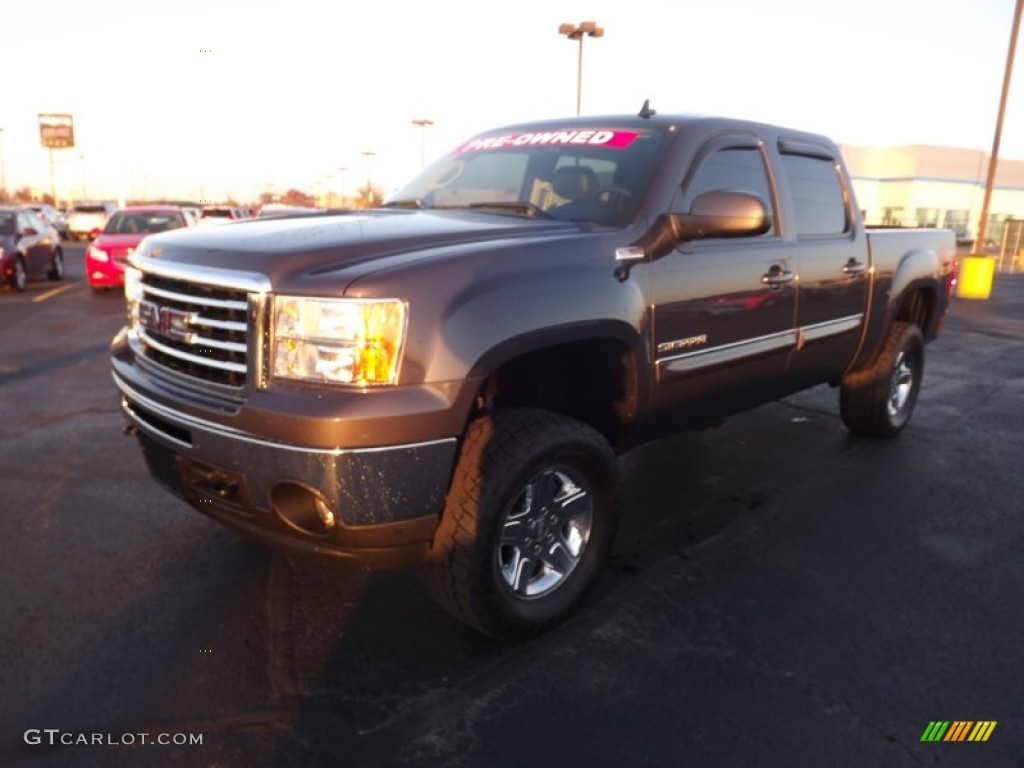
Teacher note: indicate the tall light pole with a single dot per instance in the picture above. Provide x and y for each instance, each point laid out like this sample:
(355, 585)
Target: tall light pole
(84, 195)
(979, 241)
(342, 170)
(369, 155)
(573, 32)
(423, 122)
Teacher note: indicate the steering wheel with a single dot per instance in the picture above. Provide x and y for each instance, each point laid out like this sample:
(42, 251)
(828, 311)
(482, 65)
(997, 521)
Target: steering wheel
(610, 194)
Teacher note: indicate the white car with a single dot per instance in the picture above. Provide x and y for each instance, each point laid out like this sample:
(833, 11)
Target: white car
(51, 216)
(87, 220)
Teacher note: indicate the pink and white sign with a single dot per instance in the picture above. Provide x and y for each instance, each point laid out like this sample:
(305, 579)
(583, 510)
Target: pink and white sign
(602, 138)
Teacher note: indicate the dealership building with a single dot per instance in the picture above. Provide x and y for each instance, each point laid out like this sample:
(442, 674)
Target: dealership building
(928, 186)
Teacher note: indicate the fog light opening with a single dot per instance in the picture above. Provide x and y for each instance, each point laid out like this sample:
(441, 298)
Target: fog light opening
(302, 508)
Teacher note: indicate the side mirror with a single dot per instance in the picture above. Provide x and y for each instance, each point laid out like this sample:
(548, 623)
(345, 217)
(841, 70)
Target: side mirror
(722, 214)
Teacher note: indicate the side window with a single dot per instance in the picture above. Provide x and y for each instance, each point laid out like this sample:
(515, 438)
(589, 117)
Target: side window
(737, 169)
(818, 197)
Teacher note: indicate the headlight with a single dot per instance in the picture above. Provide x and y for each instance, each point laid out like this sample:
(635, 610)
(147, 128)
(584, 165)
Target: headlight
(340, 341)
(97, 255)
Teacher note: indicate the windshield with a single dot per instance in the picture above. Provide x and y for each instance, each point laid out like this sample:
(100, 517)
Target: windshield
(135, 223)
(90, 209)
(586, 175)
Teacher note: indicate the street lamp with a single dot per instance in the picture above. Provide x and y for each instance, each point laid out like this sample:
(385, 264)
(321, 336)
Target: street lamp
(423, 123)
(573, 32)
(343, 169)
(369, 155)
(84, 195)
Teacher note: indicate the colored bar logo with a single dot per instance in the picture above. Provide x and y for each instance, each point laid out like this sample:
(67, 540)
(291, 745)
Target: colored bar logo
(958, 730)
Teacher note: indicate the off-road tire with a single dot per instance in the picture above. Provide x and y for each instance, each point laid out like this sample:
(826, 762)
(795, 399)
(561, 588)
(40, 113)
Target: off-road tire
(503, 455)
(879, 401)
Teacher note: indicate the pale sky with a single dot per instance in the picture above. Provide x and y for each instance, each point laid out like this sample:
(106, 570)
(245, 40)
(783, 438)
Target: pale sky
(205, 99)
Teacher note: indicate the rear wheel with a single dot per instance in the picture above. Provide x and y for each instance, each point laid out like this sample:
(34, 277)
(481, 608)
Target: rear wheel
(56, 271)
(880, 400)
(19, 278)
(529, 518)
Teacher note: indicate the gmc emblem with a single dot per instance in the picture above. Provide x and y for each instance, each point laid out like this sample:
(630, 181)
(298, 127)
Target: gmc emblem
(166, 321)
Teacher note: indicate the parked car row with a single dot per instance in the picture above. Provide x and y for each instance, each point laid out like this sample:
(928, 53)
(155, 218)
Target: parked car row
(30, 237)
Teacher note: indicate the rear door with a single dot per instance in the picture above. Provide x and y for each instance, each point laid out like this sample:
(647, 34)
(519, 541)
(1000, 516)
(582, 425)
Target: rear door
(832, 259)
(724, 309)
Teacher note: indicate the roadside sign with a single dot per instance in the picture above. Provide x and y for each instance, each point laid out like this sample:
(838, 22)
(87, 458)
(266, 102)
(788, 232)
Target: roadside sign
(56, 131)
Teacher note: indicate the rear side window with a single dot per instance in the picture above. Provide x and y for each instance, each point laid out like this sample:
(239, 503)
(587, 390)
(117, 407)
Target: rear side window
(818, 197)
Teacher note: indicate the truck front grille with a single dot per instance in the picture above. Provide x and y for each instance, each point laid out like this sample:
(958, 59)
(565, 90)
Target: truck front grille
(195, 329)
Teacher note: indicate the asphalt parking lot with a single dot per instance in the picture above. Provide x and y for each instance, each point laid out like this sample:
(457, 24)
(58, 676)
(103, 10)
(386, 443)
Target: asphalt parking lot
(780, 593)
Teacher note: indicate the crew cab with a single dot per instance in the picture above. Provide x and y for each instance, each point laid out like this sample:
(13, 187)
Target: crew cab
(445, 381)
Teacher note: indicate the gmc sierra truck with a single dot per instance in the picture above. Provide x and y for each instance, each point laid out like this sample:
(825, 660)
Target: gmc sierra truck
(446, 381)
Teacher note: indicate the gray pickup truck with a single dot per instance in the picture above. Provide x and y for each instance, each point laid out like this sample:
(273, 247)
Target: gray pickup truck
(445, 381)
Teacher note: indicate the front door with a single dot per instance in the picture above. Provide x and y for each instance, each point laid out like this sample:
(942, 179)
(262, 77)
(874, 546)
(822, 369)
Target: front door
(725, 310)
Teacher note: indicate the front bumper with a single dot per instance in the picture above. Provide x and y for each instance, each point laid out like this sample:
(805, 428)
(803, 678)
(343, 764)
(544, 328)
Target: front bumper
(372, 507)
(104, 274)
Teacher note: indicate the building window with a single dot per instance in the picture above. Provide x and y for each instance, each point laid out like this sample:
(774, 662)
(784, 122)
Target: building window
(927, 217)
(996, 225)
(892, 216)
(957, 221)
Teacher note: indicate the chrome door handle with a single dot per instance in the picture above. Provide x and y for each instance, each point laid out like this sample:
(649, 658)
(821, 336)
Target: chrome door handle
(777, 276)
(852, 268)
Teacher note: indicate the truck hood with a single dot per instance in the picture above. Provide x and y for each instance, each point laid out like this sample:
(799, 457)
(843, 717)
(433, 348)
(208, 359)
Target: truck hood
(289, 249)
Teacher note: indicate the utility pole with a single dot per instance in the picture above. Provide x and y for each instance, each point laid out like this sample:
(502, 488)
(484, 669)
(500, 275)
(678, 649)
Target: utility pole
(979, 241)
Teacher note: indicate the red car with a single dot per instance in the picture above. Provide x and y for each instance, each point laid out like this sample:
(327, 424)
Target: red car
(106, 257)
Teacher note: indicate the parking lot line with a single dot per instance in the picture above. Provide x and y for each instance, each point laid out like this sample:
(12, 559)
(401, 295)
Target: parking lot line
(51, 293)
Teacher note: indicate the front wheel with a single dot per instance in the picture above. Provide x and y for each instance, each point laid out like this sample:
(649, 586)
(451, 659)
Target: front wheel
(879, 401)
(528, 520)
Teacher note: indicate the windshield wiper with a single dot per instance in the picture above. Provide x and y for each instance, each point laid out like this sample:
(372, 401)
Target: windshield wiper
(517, 206)
(416, 203)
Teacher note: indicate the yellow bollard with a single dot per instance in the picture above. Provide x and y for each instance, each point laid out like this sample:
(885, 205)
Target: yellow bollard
(975, 278)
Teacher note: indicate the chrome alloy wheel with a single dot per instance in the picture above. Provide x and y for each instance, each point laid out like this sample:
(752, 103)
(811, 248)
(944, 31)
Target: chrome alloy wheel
(901, 384)
(545, 533)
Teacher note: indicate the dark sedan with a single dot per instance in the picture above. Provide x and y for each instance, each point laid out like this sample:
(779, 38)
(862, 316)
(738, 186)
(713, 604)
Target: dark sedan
(29, 248)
